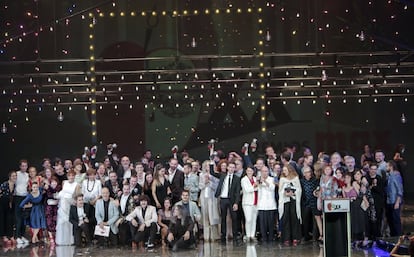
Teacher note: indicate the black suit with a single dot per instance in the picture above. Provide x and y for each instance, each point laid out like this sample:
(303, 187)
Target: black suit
(124, 231)
(226, 203)
(177, 186)
(77, 230)
(117, 167)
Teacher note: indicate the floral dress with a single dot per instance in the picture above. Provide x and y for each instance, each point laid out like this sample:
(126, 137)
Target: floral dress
(51, 208)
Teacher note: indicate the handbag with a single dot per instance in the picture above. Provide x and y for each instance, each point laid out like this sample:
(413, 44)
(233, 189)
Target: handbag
(102, 231)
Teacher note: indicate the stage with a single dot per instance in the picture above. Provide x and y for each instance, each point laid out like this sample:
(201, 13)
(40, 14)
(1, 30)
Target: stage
(274, 249)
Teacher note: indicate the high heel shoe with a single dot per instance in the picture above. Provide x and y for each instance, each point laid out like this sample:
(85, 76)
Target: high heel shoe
(6, 241)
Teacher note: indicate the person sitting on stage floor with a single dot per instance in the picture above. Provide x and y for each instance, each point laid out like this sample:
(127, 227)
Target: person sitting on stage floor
(78, 216)
(143, 222)
(106, 214)
(180, 231)
(394, 251)
(189, 207)
(126, 205)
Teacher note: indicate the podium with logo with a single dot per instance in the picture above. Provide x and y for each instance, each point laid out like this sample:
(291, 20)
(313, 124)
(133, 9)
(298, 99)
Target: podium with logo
(337, 227)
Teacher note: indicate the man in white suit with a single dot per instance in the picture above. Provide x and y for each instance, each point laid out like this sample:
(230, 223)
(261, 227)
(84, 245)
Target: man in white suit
(143, 222)
(106, 214)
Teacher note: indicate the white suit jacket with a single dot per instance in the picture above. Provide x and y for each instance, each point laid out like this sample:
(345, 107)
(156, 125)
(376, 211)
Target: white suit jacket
(150, 215)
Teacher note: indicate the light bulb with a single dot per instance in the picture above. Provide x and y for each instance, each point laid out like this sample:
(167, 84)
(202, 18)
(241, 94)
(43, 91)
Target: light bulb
(362, 36)
(403, 119)
(268, 36)
(324, 76)
(193, 43)
(60, 117)
(4, 129)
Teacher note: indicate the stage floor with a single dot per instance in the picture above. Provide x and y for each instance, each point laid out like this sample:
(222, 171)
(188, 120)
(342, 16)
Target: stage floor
(207, 249)
(275, 249)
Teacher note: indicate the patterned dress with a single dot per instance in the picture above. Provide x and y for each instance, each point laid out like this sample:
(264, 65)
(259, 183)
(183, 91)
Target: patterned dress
(51, 208)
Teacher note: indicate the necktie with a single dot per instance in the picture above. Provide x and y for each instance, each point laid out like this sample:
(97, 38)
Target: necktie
(230, 177)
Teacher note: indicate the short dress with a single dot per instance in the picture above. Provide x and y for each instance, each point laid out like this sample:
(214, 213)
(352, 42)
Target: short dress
(37, 214)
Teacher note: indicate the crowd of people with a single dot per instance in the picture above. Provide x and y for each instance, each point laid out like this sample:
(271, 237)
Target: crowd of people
(251, 196)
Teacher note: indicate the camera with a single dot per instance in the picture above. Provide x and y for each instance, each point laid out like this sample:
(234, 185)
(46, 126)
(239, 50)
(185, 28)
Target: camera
(290, 188)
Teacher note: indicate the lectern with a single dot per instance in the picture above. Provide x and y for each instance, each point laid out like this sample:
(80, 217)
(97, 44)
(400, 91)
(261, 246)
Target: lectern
(337, 227)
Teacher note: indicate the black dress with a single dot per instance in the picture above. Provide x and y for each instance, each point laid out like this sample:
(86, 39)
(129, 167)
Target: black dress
(161, 191)
(178, 228)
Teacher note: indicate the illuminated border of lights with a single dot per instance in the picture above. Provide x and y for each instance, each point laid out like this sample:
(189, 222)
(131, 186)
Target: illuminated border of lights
(261, 35)
(92, 77)
(178, 14)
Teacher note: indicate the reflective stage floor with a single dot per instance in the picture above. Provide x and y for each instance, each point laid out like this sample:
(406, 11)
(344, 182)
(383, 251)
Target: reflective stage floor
(212, 249)
(203, 249)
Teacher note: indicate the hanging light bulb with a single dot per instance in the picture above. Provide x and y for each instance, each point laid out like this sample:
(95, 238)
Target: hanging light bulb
(268, 36)
(4, 129)
(60, 117)
(324, 76)
(362, 36)
(193, 43)
(403, 119)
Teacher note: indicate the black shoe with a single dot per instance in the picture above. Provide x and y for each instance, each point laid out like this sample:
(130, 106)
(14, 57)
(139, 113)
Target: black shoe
(174, 248)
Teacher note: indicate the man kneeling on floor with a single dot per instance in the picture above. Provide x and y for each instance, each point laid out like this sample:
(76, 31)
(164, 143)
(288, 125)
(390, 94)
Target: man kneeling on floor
(143, 223)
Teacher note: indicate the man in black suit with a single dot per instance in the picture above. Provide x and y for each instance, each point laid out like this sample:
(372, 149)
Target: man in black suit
(80, 221)
(176, 179)
(228, 190)
(126, 206)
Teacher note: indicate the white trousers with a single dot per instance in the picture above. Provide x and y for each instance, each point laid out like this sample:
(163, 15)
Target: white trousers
(250, 215)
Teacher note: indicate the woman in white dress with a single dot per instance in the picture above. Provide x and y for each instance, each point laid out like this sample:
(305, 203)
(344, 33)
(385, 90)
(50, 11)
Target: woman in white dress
(64, 234)
(209, 204)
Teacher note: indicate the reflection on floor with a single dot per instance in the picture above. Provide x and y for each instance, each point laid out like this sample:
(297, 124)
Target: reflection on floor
(203, 250)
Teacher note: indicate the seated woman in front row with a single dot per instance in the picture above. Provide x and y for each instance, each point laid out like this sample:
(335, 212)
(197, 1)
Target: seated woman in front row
(180, 231)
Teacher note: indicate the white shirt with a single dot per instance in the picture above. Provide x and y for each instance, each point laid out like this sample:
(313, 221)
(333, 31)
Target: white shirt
(225, 190)
(171, 174)
(127, 174)
(21, 183)
(266, 195)
(81, 215)
(91, 189)
(124, 199)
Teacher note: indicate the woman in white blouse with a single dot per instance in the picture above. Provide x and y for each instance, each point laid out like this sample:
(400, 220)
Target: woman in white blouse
(91, 190)
(249, 203)
(290, 193)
